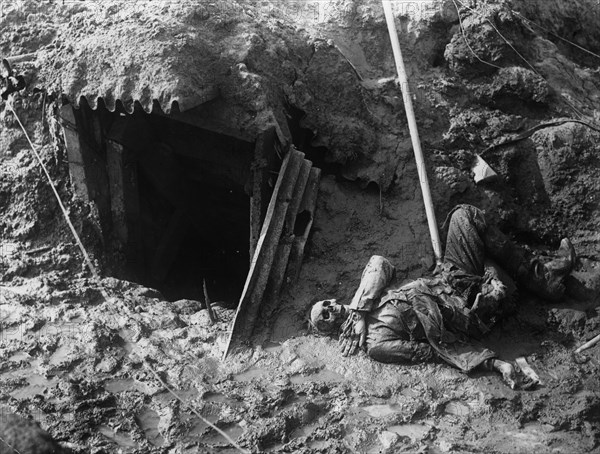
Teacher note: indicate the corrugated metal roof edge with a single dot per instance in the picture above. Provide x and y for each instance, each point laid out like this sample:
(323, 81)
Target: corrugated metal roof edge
(173, 104)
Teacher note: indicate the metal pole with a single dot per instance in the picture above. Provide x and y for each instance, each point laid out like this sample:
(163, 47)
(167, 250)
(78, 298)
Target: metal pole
(414, 133)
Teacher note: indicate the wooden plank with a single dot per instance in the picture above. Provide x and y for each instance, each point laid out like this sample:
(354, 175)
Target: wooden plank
(284, 248)
(94, 159)
(260, 185)
(303, 225)
(270, 236)
(116, 180)
(125, 204)
(249, 304)
(74, 152)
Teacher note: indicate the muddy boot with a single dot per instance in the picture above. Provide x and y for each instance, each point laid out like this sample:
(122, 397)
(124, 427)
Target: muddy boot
(13, 83)
(5, 69)
(546, 280)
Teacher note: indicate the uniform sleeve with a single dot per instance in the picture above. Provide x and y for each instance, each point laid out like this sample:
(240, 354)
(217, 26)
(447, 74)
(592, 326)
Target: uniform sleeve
(376, 276)
(400, 351)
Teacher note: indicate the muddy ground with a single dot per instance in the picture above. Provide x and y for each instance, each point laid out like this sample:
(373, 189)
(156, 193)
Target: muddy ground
(82, 365)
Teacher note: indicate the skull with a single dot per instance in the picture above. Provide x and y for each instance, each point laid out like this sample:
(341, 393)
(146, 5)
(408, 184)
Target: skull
(327, 316)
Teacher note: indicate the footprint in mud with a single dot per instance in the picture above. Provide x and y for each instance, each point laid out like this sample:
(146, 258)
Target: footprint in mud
(148, 421)
(37, 385)
(119, 385)
(250, 374)
(324, 375)
(122, 439)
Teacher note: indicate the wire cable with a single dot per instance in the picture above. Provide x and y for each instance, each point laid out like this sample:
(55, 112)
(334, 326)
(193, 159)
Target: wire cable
(531, 131)
(555, 35)
(564, 98)
(223, 434)
(503, 37)
(462, 29)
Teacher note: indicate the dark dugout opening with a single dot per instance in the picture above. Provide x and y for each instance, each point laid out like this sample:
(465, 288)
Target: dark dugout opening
(185, 196)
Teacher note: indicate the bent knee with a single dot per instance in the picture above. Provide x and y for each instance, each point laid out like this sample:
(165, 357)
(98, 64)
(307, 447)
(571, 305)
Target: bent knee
(468, 214)
(380, 264)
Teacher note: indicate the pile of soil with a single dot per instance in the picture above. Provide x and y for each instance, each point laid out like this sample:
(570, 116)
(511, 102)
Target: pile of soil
(92, 371)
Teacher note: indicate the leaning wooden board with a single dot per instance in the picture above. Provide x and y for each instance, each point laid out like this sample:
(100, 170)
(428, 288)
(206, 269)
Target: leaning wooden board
(260, 267)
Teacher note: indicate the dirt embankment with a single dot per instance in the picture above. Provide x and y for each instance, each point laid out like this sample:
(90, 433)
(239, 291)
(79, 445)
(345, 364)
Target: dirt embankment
(75, 362)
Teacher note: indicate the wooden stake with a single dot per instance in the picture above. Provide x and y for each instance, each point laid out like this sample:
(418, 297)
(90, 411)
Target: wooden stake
(588, 344)
(211, 313)
(414, 132)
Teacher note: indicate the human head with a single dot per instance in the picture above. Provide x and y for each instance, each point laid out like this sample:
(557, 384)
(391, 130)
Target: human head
(327, 316)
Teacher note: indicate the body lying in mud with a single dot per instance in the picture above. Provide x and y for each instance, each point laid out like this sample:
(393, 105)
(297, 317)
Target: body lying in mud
(444, 316)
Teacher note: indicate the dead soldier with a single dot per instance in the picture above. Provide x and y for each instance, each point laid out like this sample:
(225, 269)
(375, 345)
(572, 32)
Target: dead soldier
(445, 315)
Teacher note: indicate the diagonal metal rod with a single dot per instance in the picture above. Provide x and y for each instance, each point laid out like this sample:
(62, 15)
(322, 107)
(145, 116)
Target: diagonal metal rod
(414, 132)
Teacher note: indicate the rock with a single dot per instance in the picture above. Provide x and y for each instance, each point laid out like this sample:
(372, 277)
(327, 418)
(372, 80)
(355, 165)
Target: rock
(451, 181)
(388, 439)
(186, 306)
(481, 41)
(583, 285)
(147, 292)
(200, 318)
(107, 365)
(567, 320)
(514, 86)
(446, 446)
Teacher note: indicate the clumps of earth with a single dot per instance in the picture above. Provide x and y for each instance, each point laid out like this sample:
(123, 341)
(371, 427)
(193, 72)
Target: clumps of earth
(91, 371)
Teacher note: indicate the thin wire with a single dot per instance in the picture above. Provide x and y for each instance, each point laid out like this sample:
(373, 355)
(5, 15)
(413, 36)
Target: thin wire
(462, 29)
(577, 111)
(98, 280)
(223, 434)
(505, 40)
(10, 446)
(531, 131)
(86, 257)
(554, 34)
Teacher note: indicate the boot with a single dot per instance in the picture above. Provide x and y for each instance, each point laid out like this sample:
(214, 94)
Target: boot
(546, 280)
(5, 69)
(13, 83)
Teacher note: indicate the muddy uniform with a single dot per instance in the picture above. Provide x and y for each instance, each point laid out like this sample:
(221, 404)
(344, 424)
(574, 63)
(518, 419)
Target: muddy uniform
(436, 314)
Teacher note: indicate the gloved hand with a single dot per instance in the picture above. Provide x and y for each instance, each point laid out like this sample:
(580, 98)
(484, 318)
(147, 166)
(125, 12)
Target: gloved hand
(492, 292)
(494, 289)
(354, 333)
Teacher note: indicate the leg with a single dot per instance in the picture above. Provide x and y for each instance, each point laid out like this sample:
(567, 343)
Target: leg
(501, 249)
(470, 239)
(507, 370)
(375, 278)
(465, 247)
(543, 279)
